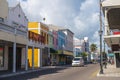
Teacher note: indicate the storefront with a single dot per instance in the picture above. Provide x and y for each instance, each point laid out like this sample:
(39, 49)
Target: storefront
(1, 55)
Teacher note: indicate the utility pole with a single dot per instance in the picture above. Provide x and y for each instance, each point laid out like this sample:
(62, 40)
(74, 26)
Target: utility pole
(104, 45)
(100, 34)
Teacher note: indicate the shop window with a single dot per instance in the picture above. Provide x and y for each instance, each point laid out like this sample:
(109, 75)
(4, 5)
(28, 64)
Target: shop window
(1, 19)
(1, 56)
(19, 15)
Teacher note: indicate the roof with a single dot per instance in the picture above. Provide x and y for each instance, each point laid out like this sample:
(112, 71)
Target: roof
(109, 3)
(67, 30)
(54, 27)
(18, 5)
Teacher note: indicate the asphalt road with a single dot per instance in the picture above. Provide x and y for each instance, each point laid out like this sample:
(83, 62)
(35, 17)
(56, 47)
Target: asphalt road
(88, 72)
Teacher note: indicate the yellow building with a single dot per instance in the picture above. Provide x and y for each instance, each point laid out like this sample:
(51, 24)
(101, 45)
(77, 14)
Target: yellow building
(42, 29)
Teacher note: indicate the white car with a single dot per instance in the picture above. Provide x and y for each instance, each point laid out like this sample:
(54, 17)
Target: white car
(78, 61)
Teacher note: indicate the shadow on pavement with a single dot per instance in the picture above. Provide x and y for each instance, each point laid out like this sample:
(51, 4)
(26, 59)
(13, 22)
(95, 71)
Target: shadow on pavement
(36, 74)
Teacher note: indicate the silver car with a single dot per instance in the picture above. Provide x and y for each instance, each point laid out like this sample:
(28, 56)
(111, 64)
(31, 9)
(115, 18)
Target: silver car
(78, 61)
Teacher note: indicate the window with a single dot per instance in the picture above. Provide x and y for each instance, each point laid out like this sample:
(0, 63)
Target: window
(1, 56)
(1, 19)
(19, 15)
(14, 24)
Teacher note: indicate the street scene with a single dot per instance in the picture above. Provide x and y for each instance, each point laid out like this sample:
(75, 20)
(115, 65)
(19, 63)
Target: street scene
(59, 40)
(63, 73)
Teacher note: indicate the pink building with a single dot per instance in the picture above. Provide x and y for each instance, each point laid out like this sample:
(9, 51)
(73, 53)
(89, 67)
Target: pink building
(55, 39)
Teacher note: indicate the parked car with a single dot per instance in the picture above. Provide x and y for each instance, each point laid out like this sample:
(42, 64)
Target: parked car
(78, 61)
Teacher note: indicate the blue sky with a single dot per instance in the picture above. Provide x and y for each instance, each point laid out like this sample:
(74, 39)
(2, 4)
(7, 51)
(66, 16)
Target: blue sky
(80, 16)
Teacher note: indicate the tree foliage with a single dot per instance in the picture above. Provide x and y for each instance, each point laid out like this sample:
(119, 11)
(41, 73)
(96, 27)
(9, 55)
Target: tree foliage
(84, 54)
(93, 47)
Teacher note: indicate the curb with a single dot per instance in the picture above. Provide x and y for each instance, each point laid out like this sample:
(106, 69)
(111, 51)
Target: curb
(29, 71)
(108, 75)
(22, 72)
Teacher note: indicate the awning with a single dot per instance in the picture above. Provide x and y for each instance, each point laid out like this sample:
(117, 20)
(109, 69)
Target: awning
(53, 51)
(68, 53)
(60, 51)
(112, 39)
(110, 55)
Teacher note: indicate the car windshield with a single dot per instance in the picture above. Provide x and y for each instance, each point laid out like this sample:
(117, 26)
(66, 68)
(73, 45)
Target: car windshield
(76, 59)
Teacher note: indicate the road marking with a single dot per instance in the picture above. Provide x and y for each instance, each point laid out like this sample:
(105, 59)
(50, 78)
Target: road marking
(94, 74)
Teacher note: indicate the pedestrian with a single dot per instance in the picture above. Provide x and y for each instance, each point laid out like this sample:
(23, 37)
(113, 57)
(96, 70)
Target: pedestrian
(111, 61)
(105, 63)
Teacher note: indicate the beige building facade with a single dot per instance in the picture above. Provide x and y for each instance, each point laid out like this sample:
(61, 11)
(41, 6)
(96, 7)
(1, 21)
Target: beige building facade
(111, 10)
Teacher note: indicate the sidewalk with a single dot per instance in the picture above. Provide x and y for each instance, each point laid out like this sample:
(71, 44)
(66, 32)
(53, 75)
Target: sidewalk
(110, 71)
(8, 74)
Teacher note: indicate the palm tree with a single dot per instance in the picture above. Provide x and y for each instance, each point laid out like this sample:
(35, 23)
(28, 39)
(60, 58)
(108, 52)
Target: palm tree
(93, 47)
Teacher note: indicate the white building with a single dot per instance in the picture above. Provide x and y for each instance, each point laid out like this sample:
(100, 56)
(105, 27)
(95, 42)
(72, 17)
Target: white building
(77, 46)
(111, 11)
(13, 38)
(17, 18)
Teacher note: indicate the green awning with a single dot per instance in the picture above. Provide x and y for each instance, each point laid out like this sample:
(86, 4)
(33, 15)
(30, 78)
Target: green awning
(53, 50)
(110, 54)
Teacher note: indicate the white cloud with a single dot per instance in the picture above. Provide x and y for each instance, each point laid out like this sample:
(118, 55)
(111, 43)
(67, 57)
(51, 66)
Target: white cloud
(87, 21)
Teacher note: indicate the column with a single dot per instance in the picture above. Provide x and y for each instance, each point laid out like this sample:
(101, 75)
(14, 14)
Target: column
(33, 57)
(14, 57)
(40, 57)
(26, 58)
(49, 52)
(106, 23)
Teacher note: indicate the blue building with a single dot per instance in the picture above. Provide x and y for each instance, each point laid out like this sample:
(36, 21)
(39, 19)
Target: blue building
(61, 47)
(61, 40)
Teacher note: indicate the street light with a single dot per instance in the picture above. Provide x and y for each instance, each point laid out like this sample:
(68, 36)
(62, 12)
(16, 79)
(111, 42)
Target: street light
(100, 34)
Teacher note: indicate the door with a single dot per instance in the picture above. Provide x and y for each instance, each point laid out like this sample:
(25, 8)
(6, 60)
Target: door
(10, 58)
(117, 55)
(18, 58)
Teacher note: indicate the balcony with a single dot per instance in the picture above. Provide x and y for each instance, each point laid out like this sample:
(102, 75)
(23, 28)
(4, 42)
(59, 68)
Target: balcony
(112, 25)
(36, 39)
(12, 34)
(113, 38)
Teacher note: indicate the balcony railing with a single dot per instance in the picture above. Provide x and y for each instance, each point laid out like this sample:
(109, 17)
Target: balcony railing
(37, 38)
(115, 32)
(11, 29)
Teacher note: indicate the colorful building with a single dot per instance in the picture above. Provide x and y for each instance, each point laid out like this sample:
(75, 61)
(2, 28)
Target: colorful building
(65, 44)
(35, 44)
(61, 47)
(68, 47)
(54, 57)
(42, 29)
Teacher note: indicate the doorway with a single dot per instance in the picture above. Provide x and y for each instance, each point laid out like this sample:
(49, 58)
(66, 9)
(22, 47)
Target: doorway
(117, 56)
(18, 58)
